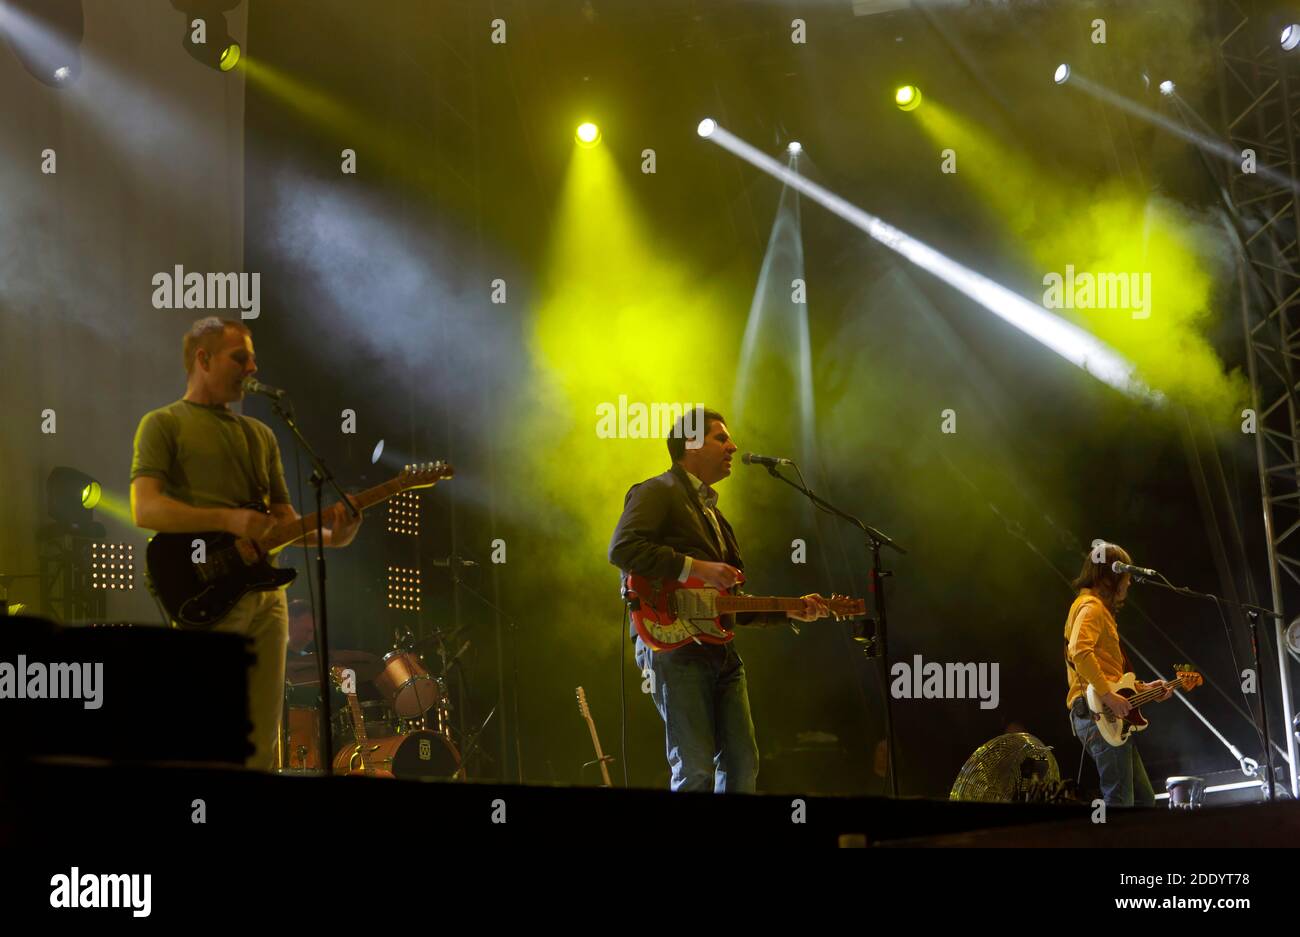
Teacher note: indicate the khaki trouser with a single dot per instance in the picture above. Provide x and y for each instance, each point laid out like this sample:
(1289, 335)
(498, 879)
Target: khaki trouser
(263, 618)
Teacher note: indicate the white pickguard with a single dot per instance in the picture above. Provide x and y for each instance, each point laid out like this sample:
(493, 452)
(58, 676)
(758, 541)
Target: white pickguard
(694, 611)
(1112, 728)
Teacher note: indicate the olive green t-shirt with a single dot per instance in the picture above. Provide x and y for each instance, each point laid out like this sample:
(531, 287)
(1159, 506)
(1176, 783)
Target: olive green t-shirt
(202, 455)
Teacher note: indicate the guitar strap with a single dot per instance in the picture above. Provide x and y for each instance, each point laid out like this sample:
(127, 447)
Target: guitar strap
(260, 491)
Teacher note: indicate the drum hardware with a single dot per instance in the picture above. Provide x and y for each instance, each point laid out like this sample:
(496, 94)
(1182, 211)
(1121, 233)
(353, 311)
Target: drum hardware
(302, 670)
(408, 734)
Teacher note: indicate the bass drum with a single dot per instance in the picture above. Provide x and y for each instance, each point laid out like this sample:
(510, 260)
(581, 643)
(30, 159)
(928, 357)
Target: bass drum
(415, 756)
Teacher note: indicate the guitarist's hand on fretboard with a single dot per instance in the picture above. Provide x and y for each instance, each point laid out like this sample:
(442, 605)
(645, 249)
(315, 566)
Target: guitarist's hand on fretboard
(1169, 689)
(814, 607)
(341, 524)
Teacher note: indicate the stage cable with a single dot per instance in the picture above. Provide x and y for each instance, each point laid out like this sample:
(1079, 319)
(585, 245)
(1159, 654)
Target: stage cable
(622, 688)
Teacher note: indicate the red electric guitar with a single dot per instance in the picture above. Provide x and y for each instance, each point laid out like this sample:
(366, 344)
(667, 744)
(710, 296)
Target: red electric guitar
(668, 614)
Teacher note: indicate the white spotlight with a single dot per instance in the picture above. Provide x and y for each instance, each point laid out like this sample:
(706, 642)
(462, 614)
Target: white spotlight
(1167, 87)
(1291, 37)
(1075, 344)
(706, 127)
(62, 73)
(795, 148)
(1062, 74)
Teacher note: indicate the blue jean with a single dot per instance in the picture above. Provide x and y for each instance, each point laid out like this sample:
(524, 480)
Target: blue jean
(700, 693)
(1124, 780)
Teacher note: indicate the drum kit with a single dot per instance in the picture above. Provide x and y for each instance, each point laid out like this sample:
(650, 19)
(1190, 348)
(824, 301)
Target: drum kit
(401, 730)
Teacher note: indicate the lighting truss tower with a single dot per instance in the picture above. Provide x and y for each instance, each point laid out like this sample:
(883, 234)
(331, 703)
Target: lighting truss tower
(1259, 86)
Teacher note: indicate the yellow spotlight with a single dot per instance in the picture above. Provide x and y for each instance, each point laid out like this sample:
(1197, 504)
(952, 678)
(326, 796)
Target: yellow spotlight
(90, 495)
(908, 97)
(588, 134)
(229, 57)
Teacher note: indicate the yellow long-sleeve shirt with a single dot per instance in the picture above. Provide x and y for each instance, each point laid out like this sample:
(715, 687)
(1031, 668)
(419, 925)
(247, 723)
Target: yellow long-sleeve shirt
(1092, 645)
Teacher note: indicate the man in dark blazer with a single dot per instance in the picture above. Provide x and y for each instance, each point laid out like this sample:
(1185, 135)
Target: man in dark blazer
(671, 528)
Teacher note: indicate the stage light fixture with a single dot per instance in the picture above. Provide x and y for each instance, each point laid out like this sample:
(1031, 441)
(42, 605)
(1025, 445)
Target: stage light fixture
(1167, 87)
(112, 566)
(378, 451)
(1291, 37)
(229, 57)
(45, 36)
(403, 589)
(207, 37)
(71, 496)
(404, 513)
(587, 134)
(706, 127)
(908, 97)
(1062, 74)
(795, 148)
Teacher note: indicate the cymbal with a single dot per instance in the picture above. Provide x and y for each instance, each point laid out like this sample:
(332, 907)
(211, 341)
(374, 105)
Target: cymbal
(304, 670)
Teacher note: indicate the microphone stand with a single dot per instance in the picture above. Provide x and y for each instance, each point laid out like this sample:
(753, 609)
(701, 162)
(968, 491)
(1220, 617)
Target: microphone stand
(1252, 615)
(514, 655)
(319, 477)
(879, 646)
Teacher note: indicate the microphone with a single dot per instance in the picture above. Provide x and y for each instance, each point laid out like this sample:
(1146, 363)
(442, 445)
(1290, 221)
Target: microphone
(252, 386)
(753, 458)
(453, 560)
(1118, 567)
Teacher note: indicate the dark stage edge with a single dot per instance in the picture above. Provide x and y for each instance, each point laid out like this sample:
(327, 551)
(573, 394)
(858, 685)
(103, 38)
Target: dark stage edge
(79, 802)
(343, 850)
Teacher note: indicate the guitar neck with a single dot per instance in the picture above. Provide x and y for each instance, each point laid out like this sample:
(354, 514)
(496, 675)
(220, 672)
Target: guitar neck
(358, 720)
(595, 739)
(729, 604)
(288, 532)
(1153, 694)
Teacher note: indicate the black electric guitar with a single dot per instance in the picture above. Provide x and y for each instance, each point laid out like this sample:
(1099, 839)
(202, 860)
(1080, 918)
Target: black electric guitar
(198, 585)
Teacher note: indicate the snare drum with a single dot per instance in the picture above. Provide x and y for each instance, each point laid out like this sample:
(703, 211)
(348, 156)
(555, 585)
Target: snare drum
(420, 755)
(407, 684)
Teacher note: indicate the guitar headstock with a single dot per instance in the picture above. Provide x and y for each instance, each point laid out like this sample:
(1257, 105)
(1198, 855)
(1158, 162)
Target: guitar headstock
(842, 606)
(425, 474)
(1188, 677)
(582, 704)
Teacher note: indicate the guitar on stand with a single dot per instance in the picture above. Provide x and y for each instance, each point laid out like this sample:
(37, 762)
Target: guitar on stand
(601, 758)
(352, 761)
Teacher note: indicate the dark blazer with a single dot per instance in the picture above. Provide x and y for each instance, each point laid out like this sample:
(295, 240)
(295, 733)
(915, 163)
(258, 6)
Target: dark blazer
(663, 522)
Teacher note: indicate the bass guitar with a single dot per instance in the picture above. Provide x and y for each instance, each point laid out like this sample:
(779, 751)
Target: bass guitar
(1117, 729)
(198, 577)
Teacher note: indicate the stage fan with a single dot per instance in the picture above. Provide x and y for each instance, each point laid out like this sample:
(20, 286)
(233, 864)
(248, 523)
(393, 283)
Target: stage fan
(1009, 768)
